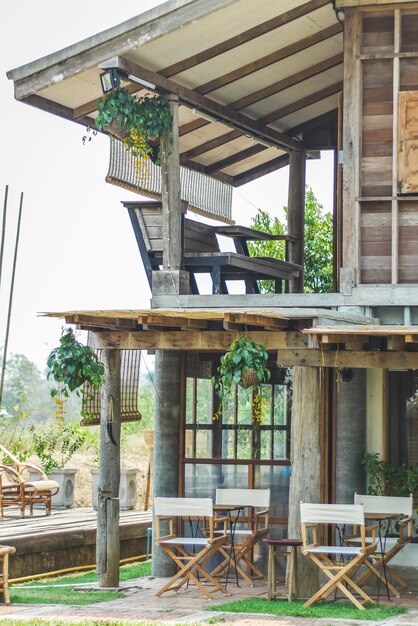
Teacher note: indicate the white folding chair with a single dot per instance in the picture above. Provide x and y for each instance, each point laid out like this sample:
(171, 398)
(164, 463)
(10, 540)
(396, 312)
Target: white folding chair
(189, 553)
(376, 507)
(328, 557)
(257, 504)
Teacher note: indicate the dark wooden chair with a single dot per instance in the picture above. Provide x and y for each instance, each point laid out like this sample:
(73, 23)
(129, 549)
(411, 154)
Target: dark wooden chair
(202, 253)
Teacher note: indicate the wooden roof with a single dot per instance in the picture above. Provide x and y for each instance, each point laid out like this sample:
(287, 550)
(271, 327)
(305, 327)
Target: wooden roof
(206, 319)
(253, 80)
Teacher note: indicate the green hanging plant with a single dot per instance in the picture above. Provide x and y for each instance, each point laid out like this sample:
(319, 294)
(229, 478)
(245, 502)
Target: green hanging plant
(137, 121)
(246, 364)
(71, 365)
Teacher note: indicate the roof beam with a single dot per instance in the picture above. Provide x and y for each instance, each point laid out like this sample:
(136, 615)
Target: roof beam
(242, 38)
(261, 170)
(289, 81)
(303, 103)
(252, 99)
(235, 158)
(231, 136)
(189, 97)
(275, 57)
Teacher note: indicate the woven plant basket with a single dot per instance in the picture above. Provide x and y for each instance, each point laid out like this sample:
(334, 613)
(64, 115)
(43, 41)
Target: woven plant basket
(116, 131)
(249, 378)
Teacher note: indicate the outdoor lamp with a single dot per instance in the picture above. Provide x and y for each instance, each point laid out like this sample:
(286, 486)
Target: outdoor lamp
(110, 79)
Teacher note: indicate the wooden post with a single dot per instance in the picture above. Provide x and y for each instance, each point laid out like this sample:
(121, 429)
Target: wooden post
(171, 196)
(172, 279)
(305, 460)
(108, 544)
(351, 148)
(296, 213)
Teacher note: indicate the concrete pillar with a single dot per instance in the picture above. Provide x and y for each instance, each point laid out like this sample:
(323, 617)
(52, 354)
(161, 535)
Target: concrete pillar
(306, 463)
(350, 433)
(166, 441)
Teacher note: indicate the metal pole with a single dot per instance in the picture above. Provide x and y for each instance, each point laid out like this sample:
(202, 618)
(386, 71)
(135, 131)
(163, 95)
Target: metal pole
(9, 312)
(3, 232)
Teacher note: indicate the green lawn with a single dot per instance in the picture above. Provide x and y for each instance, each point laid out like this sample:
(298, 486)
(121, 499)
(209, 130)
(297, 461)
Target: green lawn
(324, 609)
(47, 591)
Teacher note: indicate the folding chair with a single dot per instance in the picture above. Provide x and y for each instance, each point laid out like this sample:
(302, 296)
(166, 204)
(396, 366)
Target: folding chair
(383, 509)
(328, 557)
(189, 553)
(243, 540)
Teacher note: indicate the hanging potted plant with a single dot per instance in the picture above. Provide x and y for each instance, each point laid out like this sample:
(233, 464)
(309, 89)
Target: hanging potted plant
(136, 121)
(71, 365)
(246, 364)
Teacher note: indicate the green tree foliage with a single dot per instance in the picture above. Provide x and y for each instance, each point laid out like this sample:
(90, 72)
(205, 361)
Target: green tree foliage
(318, 245)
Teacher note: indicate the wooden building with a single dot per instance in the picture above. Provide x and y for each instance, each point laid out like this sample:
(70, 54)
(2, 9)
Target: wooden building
(250, 92)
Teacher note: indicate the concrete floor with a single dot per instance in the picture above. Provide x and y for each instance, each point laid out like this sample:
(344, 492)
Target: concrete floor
(185, 607)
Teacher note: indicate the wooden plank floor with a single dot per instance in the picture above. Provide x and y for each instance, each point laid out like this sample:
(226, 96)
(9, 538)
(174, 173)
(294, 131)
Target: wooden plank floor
(14, 526)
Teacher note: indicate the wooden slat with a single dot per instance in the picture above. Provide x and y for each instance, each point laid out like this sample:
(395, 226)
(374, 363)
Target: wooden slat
(395, 140)
(239, 40)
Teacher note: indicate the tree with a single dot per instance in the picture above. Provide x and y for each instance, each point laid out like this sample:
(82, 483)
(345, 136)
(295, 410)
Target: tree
(318, 249)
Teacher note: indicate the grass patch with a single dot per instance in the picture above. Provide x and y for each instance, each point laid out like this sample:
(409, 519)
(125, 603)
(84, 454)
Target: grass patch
(43, 592)
(295, 609)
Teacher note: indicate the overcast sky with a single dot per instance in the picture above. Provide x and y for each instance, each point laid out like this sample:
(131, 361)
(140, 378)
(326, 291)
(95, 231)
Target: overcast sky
(77, 249)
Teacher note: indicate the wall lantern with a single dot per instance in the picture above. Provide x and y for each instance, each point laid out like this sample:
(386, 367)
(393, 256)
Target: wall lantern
(110, 79)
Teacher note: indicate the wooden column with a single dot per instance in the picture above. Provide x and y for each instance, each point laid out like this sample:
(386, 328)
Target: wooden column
(296, 213)
(351, 151)
(305, 462)
(108, 543)
(172, 278)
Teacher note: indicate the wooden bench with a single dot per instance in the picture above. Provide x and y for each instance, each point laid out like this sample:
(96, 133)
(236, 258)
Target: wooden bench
(202, 253)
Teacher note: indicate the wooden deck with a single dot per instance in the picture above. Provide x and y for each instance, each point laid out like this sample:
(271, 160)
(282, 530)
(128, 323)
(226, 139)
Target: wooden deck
(65, 539)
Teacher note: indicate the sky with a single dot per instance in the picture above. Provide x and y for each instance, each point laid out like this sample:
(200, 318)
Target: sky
(77, 250)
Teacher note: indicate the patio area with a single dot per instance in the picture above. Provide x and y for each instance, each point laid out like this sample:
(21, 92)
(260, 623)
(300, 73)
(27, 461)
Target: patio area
(186, 607)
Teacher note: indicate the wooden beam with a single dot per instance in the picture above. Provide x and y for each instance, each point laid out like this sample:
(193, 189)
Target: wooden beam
(171, 321)
(341, 358)
(296, 215)
(96, 321)
(342, 4)
(275, 57)
(261, 170)
(264, 168)
(235, 158)
(210, 341)
(257, 319)
(396, 342)
(286, 83)
(298, 105)
(242, 38)
(206, 105)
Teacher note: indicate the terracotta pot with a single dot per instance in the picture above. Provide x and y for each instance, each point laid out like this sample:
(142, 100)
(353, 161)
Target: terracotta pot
(249, 378)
